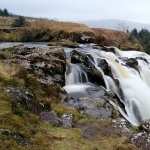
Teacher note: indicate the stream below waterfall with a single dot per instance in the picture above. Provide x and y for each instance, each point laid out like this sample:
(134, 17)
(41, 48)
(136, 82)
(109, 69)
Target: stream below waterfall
(126, 74)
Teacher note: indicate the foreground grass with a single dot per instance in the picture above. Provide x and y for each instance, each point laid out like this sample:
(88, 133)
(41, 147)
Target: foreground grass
(22, 129)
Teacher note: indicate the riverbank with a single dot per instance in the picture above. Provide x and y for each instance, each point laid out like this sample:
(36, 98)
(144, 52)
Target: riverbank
(35, 113)
(42, 30)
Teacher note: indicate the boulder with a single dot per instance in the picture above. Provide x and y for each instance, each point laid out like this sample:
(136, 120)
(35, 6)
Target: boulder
(50, 117)
(23, 99)
(67, 120)
(145, 126)
(48, 63)
(132, 62)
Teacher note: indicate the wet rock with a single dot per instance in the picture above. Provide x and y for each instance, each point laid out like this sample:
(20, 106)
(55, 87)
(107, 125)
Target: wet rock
(86, 63)
(145, 126)
(51, 117)
(67, 120)
(132, 62)
(102, 63)
(109, 49)
(77, 57)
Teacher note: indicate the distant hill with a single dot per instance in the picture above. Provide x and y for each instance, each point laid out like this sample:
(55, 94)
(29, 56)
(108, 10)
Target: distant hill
(119, 25)
(44, 30)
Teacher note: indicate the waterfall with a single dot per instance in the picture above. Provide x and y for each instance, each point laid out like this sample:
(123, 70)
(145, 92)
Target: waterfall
(75, 74)
(128, 79)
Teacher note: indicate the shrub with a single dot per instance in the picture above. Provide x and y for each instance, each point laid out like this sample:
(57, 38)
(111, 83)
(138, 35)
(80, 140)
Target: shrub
(4, 12)
(19, 22)
(143, 37)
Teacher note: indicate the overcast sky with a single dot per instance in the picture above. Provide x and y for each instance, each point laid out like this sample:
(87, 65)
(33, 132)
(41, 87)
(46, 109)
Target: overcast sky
(133, 10)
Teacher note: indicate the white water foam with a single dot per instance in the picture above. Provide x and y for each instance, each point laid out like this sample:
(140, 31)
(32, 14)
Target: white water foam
(134, 84)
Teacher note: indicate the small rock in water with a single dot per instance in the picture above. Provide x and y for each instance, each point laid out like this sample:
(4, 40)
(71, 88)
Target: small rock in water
(132, 62)
(67, 120)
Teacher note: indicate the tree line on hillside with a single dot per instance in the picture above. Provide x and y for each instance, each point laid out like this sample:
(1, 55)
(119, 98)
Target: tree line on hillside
(143, 36)
(18, 22)
(4, 12)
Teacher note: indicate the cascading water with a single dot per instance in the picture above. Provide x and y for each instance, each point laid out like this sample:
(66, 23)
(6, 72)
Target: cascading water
(128, 79)
(75, 74)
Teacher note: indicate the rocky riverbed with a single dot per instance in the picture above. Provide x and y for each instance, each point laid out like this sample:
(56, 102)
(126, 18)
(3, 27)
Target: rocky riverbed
(37, 113)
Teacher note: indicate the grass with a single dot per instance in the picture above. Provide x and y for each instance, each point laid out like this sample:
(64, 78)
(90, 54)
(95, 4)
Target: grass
(42, 30)
(5, 22)
(21, 129)
(116, 38)
(5, 106)
(60, 26)
(61, 109)
(66, 139)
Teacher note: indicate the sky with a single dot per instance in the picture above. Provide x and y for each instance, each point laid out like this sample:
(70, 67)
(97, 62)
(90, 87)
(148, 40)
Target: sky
(81, 10)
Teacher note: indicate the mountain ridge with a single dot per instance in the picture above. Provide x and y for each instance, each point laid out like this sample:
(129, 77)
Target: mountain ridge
(120, 25)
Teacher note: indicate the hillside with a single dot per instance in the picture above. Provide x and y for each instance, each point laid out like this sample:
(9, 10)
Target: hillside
(120, 25)
(116, 38)
(43, 30)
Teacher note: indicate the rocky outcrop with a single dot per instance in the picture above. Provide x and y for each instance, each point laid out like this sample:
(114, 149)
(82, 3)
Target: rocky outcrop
(86, 63)
(39, 75)
(47, 63)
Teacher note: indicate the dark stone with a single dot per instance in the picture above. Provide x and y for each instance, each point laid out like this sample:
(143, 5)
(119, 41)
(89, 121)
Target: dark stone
(102, 63)
(145, 126)
(132, 62)
(108, 49)
(46, 62)
(22, 99)
(86, 62)
(51, 117)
